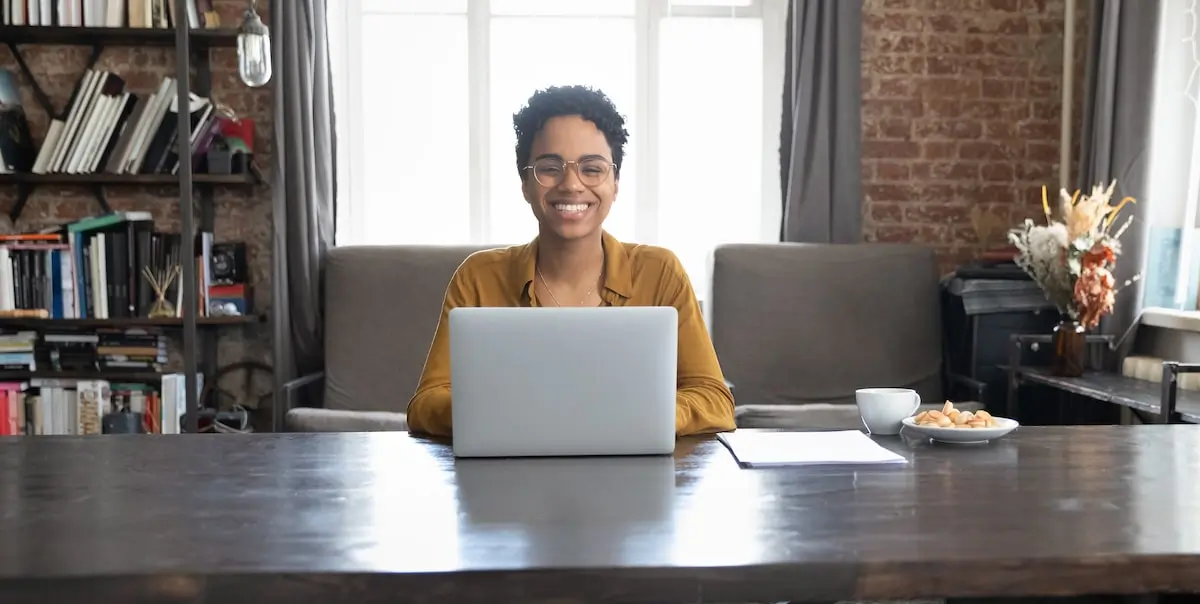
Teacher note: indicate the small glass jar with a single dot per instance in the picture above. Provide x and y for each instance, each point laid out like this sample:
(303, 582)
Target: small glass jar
(1070, 348)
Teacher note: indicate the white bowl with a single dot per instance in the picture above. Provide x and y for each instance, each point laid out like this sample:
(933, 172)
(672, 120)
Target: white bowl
(962, 435)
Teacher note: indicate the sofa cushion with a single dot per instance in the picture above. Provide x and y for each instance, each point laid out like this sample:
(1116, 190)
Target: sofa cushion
(794, 323)
(382, 305)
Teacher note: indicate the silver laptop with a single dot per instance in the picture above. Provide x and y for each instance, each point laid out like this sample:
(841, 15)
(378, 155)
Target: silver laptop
(563, 381)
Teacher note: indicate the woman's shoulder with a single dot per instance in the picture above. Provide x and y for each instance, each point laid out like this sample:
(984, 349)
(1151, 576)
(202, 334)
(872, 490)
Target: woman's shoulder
(645, 258)
(493, 259)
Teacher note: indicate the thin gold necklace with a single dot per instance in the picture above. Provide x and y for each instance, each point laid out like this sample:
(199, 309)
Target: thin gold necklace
(551, 292)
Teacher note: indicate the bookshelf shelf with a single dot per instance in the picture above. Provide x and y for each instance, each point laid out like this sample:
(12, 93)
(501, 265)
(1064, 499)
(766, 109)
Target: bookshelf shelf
(114, 36)
(111, 376)
(122, 179)
(14, 322)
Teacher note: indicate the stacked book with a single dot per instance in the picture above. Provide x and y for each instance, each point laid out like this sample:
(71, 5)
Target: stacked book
(79, 407)
(109, 129)
(103, 267)
(106, 13)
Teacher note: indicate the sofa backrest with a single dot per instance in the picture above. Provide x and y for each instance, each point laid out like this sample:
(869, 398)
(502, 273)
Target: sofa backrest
(381, 308)
(811, 323)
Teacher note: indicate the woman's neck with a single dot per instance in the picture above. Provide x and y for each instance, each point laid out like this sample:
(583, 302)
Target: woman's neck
(574, 263)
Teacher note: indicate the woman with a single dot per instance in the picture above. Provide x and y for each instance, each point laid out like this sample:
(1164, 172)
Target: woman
(570, 144)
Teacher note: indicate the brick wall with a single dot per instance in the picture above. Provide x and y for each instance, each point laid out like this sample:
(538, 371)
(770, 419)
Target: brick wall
(242, 213)
(961, 113)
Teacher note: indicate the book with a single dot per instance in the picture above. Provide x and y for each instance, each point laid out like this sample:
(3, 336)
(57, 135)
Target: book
(754, 449)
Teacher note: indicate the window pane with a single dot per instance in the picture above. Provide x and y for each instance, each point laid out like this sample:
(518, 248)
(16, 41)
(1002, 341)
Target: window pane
(432, 7)
(559, 8)
(514, 43)
(414, 130)
(710, 128)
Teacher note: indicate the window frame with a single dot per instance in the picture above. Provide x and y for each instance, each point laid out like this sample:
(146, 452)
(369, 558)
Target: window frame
(346, 24)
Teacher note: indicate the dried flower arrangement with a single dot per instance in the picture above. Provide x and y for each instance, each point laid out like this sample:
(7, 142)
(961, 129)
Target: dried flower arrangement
(1072, 258)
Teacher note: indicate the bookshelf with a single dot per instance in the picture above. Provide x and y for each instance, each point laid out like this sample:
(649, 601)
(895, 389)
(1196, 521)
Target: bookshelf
(195, 191)
(200, 39)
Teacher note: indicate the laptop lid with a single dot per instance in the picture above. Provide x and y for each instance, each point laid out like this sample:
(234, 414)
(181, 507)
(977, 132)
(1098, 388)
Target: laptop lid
(563, 381)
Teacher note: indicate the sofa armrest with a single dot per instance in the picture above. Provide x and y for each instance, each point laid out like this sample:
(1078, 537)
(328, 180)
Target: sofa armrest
(291, 388)
(974, 386)
(340, 420)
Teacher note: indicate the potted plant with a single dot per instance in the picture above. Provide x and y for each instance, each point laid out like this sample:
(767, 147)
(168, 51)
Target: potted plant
(1072, 258)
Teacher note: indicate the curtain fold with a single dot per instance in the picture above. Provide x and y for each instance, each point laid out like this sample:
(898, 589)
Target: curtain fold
(1115, 136)
(303, 201)
(820, 144)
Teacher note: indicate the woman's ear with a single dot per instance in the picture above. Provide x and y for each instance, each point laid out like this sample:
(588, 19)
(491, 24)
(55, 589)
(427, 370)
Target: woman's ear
(527, 192)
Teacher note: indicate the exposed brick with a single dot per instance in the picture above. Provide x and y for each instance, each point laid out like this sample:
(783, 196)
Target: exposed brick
(961, 109)
(891, 170)
(241, 214)
(939, 150)
(935, 213)
(885, 149)
(998, 172)
(895, 233)
(887, 213)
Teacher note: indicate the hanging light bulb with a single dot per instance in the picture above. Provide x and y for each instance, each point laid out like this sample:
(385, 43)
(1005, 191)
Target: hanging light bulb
(254, 49)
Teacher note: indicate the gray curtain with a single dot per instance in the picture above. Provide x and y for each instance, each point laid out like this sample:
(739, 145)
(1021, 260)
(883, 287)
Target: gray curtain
(821, 134)
(1115, 138)
(303, 207)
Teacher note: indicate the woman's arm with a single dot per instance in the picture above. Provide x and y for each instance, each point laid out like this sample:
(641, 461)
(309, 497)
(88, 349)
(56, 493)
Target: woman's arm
(703, 403)
(429, 409)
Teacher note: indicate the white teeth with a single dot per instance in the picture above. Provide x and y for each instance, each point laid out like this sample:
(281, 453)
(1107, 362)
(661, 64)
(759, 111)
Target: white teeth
(570, 207)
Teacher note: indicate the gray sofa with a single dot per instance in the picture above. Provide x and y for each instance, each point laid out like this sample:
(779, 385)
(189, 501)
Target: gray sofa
(799, 327)
(381, 308)
(796, 327)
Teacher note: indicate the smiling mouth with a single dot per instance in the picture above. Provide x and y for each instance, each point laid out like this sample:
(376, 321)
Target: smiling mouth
(571, 208)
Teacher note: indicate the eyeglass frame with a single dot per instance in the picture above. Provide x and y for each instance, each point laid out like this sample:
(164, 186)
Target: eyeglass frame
(612, 169)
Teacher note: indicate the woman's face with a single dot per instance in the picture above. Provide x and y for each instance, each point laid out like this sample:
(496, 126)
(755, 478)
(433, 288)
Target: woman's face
(573, 184)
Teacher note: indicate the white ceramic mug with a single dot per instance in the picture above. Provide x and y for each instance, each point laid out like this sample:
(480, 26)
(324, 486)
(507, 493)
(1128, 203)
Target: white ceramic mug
(883, 409)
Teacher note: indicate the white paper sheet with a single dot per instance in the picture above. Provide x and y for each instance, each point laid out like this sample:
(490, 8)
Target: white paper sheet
(846, 447)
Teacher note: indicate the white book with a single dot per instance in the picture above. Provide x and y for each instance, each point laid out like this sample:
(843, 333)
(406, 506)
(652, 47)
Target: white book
(47, 151)
(95, 121)
(78, 111)
(7, 290)
(147, 125)
(102, 275)
(752, 448)
(105, 133)
(94, 268)
(87, 123)
(116, 13)
(87, 138)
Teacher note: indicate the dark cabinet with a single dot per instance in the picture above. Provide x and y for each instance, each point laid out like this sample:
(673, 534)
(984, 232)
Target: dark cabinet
(979, 315)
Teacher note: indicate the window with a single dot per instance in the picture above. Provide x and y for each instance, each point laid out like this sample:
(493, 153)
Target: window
(1173, 183)
(426, 90)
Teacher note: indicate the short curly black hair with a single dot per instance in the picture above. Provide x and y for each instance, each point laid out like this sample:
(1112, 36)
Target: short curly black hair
(588, 103)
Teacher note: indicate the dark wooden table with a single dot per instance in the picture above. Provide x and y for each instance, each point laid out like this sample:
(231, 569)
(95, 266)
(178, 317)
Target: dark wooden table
(386, 517)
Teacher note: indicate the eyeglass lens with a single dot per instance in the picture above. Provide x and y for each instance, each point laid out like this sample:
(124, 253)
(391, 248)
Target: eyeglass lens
(549, 172)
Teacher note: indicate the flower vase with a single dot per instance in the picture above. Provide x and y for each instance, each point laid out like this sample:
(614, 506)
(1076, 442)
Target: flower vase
(1070, 349)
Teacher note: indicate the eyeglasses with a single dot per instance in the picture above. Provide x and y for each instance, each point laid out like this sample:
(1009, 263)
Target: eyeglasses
(550, 172)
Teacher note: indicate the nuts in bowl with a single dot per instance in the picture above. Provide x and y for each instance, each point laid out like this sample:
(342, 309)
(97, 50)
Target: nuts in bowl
(950, 425)
(949, 417)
